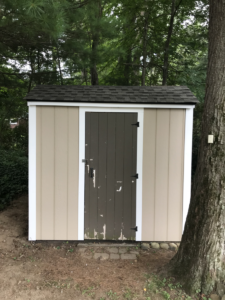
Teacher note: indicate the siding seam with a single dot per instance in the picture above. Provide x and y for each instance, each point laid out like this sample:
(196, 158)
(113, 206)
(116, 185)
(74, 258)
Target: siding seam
(40, 164)
(54, 175)
(67, 157)
(155, 170)
(168, 181)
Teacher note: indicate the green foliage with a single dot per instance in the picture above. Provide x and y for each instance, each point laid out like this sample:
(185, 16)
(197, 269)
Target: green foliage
(13, 176)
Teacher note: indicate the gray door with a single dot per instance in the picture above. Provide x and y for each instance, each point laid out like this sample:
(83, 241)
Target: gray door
(110, 188)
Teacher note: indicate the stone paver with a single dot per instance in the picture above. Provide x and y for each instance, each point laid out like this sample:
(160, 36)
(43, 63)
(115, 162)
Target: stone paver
(155, 245)
(164, 246)
(113, 250)
(81, 249)
(114, 256)
(123, 250)
(128, 256)
(101, 256)
(106, 245)
(134, 252)
(145, 246)
(87, 256)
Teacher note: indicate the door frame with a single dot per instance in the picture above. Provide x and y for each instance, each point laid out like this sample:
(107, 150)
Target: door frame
(140, 117)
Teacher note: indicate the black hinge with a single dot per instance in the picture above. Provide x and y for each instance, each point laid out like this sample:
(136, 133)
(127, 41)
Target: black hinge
(136, 176)
(135, 228)
(136, 124)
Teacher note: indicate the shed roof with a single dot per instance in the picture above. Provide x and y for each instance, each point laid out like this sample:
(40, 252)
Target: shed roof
(112, 94)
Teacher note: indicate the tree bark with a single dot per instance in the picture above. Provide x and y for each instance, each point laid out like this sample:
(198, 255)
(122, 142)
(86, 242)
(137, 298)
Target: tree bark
(174, 10)
(200, 261)
(144, 51)
(59, 65)
(94, 73)
(95, 42)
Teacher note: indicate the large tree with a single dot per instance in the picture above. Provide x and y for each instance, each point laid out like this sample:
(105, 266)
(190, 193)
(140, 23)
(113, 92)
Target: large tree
(200, 261)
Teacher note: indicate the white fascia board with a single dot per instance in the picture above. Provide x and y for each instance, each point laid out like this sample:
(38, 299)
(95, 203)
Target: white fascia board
(110, 105)
(187, 162)
(82, 111)
(32, 174)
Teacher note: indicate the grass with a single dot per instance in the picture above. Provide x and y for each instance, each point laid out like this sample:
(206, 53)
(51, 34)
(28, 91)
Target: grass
(168, 289)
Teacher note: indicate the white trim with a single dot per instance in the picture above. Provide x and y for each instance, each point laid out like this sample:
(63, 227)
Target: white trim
(111, 105)
(32, 173)
(140, 113)
(81, 174)
(187, 163)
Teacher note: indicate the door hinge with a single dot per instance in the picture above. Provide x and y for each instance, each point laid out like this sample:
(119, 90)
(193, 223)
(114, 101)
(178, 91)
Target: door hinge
(136, 176)
(136, 124)
(135, 228)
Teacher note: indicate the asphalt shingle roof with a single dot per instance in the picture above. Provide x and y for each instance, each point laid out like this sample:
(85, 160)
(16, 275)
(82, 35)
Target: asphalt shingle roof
(112, 94)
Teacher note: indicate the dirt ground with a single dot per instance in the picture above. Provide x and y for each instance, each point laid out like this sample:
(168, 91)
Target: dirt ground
(56, 270)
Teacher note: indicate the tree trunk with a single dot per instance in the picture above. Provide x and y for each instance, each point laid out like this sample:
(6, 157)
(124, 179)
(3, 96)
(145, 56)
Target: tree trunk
(59, 66)
(94, 73)
(95, 42)
(200, 261)
(144, 52)
(167, 44)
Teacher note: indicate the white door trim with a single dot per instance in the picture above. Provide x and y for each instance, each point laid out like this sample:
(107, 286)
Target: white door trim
(82, 111)
(32, 174)
(187, 162)
(110, 105)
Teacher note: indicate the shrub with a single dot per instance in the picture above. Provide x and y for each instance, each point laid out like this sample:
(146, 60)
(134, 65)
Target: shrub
(13, 175)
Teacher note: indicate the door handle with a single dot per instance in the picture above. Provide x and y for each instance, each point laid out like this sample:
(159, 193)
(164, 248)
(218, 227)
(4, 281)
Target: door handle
(92, 175)
(91, 172)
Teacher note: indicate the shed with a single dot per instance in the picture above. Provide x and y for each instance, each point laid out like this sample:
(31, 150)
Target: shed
(109, 162)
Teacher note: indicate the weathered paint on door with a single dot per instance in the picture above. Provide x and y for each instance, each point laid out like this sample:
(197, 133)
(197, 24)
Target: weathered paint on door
(110, 189)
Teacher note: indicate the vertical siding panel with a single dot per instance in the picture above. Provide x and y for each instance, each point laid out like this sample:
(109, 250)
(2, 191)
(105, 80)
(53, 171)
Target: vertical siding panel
(87, 173)
(161, 175)
(176, 156)
(102, 152)
(119, 176)
(148, 205)
(61, 173)
(73, 170)
(38, 176)
(94, 158)
(110, 197)
(47, 174)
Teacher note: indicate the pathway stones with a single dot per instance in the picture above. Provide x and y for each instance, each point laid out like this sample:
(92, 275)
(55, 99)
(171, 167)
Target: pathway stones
(123, 250)
(101, 256)
(128, 256)
(164, 246)
(134, 252)
(145, 246)
(81, 249)
(155, 245)
(114, 256)
(87, 256)
(113, 250)
(173, 246)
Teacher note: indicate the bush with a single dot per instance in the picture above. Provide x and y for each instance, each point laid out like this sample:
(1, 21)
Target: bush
(13, 176)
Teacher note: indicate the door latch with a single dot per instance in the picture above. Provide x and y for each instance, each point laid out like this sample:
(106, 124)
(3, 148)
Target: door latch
(135, 176)
(91, 172)
(135, 228)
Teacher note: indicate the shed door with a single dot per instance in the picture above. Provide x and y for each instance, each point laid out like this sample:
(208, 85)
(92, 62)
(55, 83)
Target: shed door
(110, 189)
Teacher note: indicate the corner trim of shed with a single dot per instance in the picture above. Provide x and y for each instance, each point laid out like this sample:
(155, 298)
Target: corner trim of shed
(187, 162)
(32, 173)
